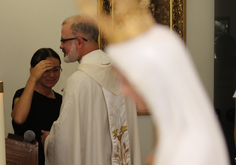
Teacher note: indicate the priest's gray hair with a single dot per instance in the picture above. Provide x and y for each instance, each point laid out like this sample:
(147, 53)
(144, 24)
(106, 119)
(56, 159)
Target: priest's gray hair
(84, 24)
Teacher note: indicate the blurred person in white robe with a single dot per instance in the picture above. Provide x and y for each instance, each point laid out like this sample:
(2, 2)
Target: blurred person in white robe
(156, 70)
(96, 126)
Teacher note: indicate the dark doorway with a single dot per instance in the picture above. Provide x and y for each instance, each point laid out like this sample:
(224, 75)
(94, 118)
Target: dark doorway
(225, 69)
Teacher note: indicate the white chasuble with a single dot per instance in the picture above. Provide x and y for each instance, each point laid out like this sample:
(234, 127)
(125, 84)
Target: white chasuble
(96, 126)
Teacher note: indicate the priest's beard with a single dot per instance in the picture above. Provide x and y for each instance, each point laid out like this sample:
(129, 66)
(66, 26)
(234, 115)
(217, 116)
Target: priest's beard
(73, 55)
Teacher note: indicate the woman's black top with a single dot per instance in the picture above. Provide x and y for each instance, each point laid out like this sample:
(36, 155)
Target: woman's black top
(43, 112)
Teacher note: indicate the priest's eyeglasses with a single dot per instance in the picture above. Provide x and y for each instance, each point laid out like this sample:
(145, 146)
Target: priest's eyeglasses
(64, 40)
(55, 71)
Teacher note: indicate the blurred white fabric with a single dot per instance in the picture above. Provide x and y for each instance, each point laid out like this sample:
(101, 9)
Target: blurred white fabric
(159, 67)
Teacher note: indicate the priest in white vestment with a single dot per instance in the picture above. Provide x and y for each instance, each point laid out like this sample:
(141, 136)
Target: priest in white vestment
(96, 126)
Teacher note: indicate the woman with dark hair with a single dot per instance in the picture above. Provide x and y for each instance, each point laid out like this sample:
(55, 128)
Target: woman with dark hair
(37, 106)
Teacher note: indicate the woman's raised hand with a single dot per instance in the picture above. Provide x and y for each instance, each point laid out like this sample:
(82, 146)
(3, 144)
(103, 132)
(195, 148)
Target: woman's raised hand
(40, 68)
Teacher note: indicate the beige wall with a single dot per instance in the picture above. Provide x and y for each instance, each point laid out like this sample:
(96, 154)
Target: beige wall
(200, 39)
(29, 25)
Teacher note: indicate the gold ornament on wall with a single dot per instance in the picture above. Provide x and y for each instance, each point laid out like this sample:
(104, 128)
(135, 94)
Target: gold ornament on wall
(171, 13)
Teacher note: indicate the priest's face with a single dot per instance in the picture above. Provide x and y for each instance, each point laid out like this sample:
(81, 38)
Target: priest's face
(73, 55)
(68, 44)
(128, 90)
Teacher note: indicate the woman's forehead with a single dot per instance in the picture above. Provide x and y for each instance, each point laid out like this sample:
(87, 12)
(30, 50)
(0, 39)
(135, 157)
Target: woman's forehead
(54, 60)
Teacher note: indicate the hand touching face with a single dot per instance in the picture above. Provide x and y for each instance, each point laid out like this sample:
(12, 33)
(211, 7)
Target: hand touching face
(47, 72)
(40, 68)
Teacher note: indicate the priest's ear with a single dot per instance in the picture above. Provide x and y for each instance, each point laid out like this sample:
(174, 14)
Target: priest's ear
(80, 42)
